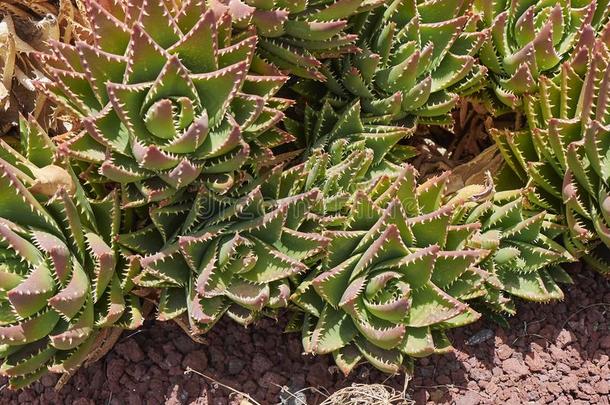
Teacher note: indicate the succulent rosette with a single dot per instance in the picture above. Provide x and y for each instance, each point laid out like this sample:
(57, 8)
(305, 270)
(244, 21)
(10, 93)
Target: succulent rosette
(416, 58)
(528, 39)
(524, 258)
(167, 98)
(335, 176)
(563, 155)
(379, 294)
(213, 255)
(62, 277)
(339, 131)
(296, 35)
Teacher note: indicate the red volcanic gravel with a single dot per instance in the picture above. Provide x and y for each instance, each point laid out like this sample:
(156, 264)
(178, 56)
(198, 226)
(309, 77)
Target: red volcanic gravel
(555, 353)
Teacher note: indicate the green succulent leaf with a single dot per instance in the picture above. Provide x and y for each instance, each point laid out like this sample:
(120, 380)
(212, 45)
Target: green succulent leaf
(58, 257)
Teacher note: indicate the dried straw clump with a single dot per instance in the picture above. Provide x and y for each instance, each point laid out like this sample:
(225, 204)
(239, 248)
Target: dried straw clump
(368, 394)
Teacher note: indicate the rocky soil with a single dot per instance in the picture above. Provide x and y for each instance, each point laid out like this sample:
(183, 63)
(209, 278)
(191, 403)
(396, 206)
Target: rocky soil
(556, 353)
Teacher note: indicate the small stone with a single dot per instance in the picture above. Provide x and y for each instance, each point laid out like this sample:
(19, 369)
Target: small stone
(504, 352)
(114, 369)
(235, 366)
(272, 380)
(184, 344)
(250, 386)
(553, 388)
(436, 396)
(532, 395)
(426, 371)
(156, 356)
(297, 380)
(318, 375)
(491, 388)
(421, 396)
(217, 401)
(564, 338)
(586, 388)
(443, 380)
(173, 359)
(217, 357)
(260, 364)
(469, 398)
(130, 350)
(564, 368)
(480, 337)
(569, 383)
(472, 385)
(48, 380)
(515, 367)
(480, 374)
(534, 362)
(602, 387)
(134, 399)
(26, 396)
(192, 387)
(604, 342)
(196, 360)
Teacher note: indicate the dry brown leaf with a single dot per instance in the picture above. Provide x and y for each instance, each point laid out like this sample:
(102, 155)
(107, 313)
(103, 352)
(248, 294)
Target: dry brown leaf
(49, 179)
(474, 171)
(26, 26)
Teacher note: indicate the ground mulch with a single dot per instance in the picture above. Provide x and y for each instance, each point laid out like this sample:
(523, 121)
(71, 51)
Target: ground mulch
(556, 353)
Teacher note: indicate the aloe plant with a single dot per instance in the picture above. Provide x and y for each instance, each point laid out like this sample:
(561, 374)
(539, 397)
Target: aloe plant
(168, 98)
(379, 293)
(563, 154)
(213, 255)
(528, 39)
(295, 36)
(339, 131)
(524, 259)
(416, 58)
(62, 276)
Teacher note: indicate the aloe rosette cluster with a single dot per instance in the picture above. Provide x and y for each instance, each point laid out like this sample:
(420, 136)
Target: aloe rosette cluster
(416, 58)
(296, 35)
(62, 275)
(524, 258)
(529, 38)
(167, 98)
(380, 292)
(340, 155)
(214, 254)
(182, 183)
(564, 153)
